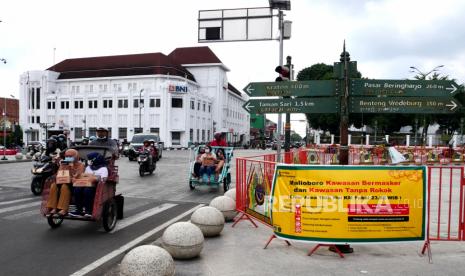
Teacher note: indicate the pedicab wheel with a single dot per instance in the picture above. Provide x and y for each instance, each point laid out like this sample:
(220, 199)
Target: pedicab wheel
(191, 185)
(36, 186)
(109, 215)
(141, 171)
(226, 182)
(54, 222)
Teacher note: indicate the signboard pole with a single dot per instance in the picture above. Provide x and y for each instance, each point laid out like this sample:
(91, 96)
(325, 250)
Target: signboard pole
(344, 121)
(287, 127)
(281, 33)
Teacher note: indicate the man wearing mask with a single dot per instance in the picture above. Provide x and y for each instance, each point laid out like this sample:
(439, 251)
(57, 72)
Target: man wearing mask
(104, 141)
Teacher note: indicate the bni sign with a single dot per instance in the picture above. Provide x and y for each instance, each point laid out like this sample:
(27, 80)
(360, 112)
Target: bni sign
(177, 88)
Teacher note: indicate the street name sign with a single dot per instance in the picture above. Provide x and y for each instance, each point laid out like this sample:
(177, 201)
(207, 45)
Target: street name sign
(292, 88)
(298, 105)
(421, 105)
(404, 88)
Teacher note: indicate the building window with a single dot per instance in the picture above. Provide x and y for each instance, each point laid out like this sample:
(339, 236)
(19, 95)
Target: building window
(203, 107)
(78, 104)
(38, 119)
(155, 130)
(137, 101)
(102, 87)
(176, 102)
(191, 134)
(38, 98)
(155, 102)
(203, 135)
(78, 134)
(138, 130)
(122, 103)
(64, 104)
(117, 87)
(107, 103)
(208, 135)
(209, 108)
(198, 106)
(176, 138)
(92, 131)
(132, 86)
(192, 105)
(122, 132)
(50, 105)
(75, 89)
(89, 88)
(198, 135)
(93, 104)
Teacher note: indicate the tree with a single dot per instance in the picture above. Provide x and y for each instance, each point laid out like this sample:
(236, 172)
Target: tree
(295, 137)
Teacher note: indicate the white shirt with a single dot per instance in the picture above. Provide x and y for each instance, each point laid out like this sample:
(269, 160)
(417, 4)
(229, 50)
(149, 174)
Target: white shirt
(101, 172)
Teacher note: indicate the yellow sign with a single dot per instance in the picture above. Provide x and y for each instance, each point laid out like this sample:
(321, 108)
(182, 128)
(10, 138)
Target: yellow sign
(338, 204)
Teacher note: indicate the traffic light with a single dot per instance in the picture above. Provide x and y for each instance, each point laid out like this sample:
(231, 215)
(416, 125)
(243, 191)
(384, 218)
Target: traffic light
(284, 73)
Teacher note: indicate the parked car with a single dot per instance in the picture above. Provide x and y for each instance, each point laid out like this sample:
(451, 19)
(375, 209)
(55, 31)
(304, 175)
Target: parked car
(138, 141)
(4, 151)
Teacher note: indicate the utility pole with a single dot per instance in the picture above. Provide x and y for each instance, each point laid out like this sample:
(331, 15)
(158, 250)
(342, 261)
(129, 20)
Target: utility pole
(287, 126)
(344, 124)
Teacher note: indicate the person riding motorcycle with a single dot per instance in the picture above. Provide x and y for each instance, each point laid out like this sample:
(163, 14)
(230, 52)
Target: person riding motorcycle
(154, 149)
(219, 140)
(61, 142)
(147, 146)
(52, 148)
(103, 140)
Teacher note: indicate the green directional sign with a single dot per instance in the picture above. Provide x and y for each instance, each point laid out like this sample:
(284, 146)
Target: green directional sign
(292, 88)
(298, 105)
(420, 105)
(404, 88)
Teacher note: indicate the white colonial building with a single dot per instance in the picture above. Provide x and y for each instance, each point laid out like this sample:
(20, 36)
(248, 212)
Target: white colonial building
(184, 97)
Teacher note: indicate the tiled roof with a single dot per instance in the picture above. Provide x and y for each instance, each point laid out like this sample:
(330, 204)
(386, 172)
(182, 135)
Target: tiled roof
(194, 55)
(122, 65)
(234, 90)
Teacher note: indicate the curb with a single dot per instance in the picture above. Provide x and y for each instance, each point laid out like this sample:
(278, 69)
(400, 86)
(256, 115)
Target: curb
(14, 161)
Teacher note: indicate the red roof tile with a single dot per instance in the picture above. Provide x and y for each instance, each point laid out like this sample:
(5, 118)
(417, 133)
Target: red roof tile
(121, 65)
(194, 55)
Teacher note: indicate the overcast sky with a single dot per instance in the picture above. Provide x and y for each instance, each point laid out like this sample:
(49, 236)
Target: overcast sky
(385, 37)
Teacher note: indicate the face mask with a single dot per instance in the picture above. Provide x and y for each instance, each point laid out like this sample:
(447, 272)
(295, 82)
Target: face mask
(207, 151)
(103, 137)
(69, 159)
(89, 162)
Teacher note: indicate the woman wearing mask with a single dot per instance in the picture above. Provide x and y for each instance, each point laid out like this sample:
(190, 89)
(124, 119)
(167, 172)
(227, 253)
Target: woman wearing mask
(70, 168)
(208, 160)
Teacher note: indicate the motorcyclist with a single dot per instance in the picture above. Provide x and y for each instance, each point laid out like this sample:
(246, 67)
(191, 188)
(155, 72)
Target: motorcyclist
(154, 149)
(61, 139)
(51, 148)
(148, 147)
(103, 140)
(219, 140)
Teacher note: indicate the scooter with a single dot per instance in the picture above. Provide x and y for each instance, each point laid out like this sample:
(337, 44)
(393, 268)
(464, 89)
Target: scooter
(145, 165)
(42, 170)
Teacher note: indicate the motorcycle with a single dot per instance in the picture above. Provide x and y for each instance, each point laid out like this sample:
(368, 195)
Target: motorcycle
(42, 170)
(125, 149)
(146, 163)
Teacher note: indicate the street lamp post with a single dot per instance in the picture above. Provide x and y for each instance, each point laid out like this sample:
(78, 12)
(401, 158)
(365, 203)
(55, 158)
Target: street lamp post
(140, 110)
(4, 126)
(416, 128)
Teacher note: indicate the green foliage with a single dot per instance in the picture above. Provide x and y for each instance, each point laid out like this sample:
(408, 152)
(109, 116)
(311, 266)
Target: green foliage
(295, 137)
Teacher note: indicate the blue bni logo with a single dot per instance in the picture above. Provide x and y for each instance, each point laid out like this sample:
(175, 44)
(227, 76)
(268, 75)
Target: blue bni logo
(177, 89)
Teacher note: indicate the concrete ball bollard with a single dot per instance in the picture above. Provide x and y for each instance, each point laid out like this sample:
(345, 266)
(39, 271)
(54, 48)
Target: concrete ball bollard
(28, 156)
(37, 155)
(231, 193)
(209, 219)
(225, 205)
(19, 156)
(183, 240)
(147, 260)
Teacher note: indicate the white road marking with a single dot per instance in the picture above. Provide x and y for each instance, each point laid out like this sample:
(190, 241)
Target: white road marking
(16, 201)
(24, 214)
(131, 244)
(140, 216)
(14, 208)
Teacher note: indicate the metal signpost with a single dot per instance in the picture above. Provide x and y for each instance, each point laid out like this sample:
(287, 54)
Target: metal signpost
(404, 88)
(412, 105)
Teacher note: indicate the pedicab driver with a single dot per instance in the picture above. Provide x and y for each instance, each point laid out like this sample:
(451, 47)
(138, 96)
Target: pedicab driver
(219, 140)
(104, 141)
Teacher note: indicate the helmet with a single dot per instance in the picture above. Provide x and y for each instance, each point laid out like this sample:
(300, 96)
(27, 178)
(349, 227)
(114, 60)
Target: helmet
(102, 129)
(152, 141)
(53, 137)
(146, 141)
(51, 143)
(61, 137)
(92, 138)
(218, 135)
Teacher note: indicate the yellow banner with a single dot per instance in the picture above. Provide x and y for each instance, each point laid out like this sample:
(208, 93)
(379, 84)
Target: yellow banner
(336, 204)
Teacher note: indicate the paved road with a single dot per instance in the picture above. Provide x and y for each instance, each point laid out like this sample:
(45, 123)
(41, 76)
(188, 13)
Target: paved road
(29, 245)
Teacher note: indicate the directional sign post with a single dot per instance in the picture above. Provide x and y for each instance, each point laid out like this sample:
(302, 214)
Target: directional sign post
(292, 88)
(422, 105)
(298, 105)
(404, 88)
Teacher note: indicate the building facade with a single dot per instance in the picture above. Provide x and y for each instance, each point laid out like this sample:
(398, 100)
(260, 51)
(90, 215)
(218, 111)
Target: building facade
(184, 97)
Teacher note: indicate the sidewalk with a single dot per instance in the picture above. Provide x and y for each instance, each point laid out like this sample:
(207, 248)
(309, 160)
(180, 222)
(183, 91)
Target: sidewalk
(239, 251)
(12, 159)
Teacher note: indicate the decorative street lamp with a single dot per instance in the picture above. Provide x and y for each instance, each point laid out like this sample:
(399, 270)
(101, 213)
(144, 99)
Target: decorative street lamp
(46, 126)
